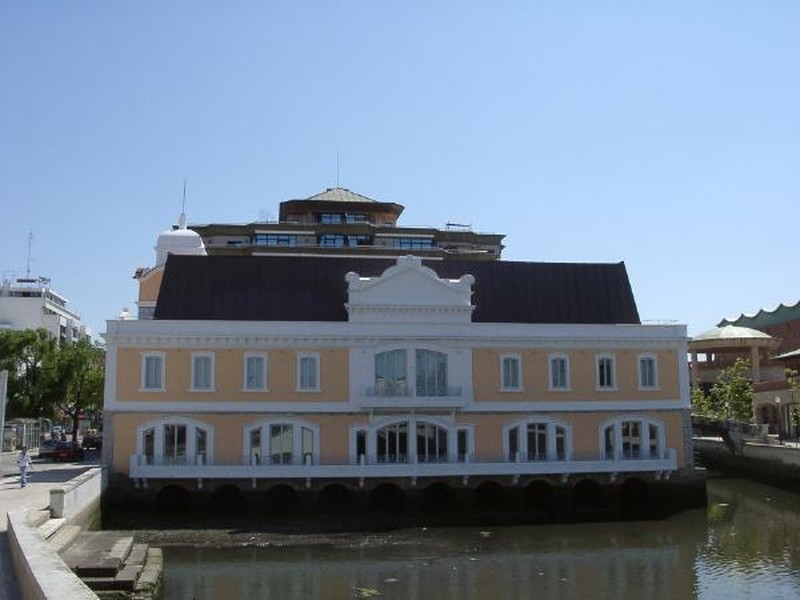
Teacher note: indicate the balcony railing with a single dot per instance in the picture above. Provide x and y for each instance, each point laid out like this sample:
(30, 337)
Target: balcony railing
(394, 394)
(143, 468)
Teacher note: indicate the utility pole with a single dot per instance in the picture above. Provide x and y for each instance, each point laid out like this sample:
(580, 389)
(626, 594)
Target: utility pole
(3, 390)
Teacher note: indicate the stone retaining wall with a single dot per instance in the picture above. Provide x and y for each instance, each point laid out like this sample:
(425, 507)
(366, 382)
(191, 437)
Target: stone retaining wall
(40, 572)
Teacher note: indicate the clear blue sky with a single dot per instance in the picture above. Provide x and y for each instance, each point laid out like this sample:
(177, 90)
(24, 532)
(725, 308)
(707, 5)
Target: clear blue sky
(663, 134)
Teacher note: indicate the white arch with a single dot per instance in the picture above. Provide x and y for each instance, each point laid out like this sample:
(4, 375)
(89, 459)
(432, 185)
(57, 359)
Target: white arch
(297, 442)
(644, 422)
(191, 424)
(551, 423)
(371, 430)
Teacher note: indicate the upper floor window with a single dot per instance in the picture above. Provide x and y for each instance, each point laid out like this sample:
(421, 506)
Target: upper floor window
(357, 240)
(330, 218)
(431, 373)
(330, 240)
(511, 376)
(255, 372)
(356, 218)
(559, 372)
(202, 371)
(390, 373)
(274, 239)
(648, 373)
(153, 371)
(606, 376)
(412, 243)
(308, 372)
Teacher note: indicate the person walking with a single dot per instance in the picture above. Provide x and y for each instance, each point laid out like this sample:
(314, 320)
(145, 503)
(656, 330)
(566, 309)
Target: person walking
(24, 464)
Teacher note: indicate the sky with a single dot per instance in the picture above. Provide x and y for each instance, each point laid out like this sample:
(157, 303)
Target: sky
(665, 135)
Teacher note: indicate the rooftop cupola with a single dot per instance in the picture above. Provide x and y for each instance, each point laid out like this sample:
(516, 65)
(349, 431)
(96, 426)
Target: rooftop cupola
(178, 240)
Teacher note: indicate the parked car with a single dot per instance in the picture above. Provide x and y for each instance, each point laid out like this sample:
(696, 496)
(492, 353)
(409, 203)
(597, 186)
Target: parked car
(92, 440)
(46, 448)
(68, 451)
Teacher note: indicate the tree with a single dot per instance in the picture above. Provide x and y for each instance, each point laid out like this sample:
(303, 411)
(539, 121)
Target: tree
(701, 403)
(793, 382)
(78, 382)
(731, 395)
(29, 356)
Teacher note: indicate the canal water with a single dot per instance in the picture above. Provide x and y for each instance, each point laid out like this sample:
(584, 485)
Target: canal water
(745, 545)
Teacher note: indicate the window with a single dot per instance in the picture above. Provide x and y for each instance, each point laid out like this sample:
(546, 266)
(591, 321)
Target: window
(412, 243)
(202, 371)
(510, 376)
(357, 240)
(255, 372)
(330, 218)
(632, 439)
(291, 442)
(431, 443)
(392, 443)
(559, 372)
(431, 373)
(274, 239)
(605, 373)
(390, 373)
(308, 372)
(175, 441)
(537, 440)
(462, 443)
(280, 444)
(330, 240)
(356, 218)
(153, 371)
(648, 373)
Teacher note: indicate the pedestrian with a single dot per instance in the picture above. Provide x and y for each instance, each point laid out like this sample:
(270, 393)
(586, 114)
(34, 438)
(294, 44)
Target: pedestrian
(24, 463)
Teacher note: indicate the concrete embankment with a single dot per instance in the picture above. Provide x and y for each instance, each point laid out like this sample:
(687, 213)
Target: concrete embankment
(47, 551)
(774, 464)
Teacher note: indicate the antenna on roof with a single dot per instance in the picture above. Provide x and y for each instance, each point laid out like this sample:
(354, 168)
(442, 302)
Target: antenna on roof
(337, 167)
(30, 243)
(182, 219)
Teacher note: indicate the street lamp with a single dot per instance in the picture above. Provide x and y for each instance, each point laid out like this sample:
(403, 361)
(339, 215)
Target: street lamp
(778, 410)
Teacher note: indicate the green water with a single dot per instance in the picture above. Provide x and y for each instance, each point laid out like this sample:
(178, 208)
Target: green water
(746, 545)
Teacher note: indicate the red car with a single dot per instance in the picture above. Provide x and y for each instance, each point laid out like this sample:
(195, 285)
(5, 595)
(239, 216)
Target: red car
(68, 452)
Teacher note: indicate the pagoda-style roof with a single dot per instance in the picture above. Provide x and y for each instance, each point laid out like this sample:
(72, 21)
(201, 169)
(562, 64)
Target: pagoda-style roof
(339, 194)
(764, 318)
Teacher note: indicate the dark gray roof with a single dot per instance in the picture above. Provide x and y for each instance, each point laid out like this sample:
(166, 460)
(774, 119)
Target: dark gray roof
(290, 288)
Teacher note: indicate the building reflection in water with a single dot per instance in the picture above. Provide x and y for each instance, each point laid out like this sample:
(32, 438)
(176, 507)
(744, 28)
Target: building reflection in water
(642, 560)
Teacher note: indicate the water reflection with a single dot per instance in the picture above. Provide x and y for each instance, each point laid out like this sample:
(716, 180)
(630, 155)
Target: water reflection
(745, 546)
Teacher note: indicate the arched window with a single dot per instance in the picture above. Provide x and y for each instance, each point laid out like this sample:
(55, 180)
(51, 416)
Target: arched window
(537, 439)
(281, 442)
(175, 441)
(632, 438)
(411, 440)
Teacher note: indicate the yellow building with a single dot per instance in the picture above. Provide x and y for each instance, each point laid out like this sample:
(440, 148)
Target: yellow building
(390, 374)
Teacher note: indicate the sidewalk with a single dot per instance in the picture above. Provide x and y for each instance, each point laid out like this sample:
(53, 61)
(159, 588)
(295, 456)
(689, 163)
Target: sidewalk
(35, 496)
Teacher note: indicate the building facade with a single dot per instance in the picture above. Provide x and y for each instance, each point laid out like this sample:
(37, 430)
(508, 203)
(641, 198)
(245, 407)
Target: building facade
(31, 303)
(770, 341)
(339, 222)
(305, 371)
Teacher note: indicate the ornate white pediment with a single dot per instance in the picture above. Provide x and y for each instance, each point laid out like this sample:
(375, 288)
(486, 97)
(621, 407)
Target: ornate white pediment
(409, 292)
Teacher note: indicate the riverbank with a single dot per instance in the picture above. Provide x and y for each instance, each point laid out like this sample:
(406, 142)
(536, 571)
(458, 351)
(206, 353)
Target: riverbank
(773, 464)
